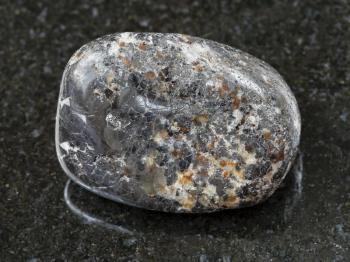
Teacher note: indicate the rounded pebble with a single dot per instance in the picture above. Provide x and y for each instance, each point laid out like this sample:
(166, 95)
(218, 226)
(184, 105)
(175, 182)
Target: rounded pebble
(175, 123)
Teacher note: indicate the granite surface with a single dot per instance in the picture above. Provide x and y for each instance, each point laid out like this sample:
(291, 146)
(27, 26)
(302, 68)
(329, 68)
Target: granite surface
(43, 218)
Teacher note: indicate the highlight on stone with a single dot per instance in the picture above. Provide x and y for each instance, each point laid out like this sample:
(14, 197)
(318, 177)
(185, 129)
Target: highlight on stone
(175, 123)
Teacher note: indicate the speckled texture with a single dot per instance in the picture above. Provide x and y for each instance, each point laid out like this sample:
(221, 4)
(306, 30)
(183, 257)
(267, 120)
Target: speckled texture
(307, 41)
(175, 123)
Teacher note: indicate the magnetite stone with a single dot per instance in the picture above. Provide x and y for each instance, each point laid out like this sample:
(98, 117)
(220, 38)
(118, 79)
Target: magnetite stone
(175, 123)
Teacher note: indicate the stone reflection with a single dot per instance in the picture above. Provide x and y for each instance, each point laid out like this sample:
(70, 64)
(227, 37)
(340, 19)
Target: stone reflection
(89, 218)
(248, 223)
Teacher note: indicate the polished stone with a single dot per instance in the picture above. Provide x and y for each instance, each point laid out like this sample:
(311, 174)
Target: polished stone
(306, 41)
(175, 123)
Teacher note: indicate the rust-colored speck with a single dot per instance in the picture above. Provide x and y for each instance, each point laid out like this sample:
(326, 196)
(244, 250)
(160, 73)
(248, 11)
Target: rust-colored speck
(223, 89)
(186, 178)
(201, 159)
(226, 173)
(142, 46)
(150, 75)
(177, 153)
(235, 102)
(231, 201)
(125, 60)
(200, 119)
(278, 156)
(267, 134)
(227, 163)
(212, 144)
(184, 129)
(239, 173)
(189, 202)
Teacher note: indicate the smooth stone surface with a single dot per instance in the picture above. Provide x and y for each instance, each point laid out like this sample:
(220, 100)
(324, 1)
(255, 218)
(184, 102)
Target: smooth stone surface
(175, 123)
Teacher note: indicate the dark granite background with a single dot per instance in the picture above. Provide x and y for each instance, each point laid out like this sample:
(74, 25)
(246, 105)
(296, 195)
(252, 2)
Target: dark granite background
(308, 219)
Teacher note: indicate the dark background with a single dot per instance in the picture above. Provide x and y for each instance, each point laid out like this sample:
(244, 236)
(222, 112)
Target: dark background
(307, 220)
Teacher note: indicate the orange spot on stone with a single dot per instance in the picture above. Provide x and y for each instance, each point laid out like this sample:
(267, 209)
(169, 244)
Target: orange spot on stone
(150, 75)
(226, 174)
(186, 178)
(238, 173)
(142, 46)
(267, 134)
(202, 159)
(227, 163)
(211, 145)
(125, 60)
(277, 156)
(235, 102)
(231, 200)
(184, 129)
(222, 163)
(189, 202)
(200, 119)
(223, 89)
(177, 153)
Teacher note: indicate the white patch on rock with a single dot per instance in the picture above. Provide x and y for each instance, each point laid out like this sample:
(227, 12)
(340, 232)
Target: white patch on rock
(65, 101)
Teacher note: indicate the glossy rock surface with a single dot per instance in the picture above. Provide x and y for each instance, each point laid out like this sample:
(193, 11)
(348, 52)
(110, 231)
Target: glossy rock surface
(175, 123)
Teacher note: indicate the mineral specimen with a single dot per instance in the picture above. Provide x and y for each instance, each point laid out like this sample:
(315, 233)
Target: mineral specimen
(175, 123)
